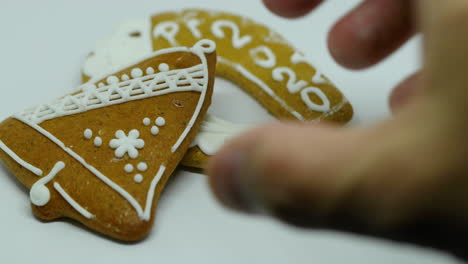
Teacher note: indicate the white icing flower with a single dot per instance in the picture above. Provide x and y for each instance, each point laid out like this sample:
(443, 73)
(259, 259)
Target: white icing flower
(127, 144)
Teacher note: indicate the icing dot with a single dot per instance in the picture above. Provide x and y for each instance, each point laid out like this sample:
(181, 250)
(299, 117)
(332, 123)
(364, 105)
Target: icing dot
(128, 168)
(137, 72)
(112, 80)
(88, 133)
(160, 121)
(39, 195)
(125, 77)
(154, 130)
(163, 67)
(138, 178)
(146, 121)
(149, 70)
(101, 84)
(142, 166)
(98, 141)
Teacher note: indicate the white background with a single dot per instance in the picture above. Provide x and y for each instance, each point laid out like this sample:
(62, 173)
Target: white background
(42, 46)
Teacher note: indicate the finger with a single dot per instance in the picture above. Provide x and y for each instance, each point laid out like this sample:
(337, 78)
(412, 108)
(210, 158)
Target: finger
(226, 165)
(371, 32)
(291, 8)
(323, 177)
(294, 172)
(404, 92)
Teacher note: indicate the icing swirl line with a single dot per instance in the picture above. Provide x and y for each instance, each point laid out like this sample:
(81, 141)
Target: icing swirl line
(20, 161)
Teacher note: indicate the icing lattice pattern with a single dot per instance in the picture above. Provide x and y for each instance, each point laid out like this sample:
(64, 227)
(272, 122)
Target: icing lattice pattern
(91, 97)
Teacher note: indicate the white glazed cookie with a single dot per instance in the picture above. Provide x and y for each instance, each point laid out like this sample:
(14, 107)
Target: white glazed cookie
(103, 154)
(252, 56)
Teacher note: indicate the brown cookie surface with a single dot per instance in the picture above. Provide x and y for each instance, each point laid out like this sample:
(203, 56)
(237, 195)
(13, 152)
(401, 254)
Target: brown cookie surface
(102, 155)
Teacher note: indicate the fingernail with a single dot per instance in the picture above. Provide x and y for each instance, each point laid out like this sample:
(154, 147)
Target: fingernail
(234, 182)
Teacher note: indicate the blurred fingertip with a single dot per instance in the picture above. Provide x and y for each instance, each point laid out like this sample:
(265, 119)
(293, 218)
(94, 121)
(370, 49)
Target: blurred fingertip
(404, 92)
(345, 48)
(228, 170)
(224, 171)
(291, 8)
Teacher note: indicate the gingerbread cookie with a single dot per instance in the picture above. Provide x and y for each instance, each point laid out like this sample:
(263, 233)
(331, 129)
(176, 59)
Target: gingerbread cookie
(252, 56)
(102, 155)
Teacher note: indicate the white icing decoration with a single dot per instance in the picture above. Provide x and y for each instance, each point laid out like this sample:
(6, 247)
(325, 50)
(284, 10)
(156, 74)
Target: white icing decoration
(160, 121)
(127, 144)
(181, 80)
(146, 121)
(305, 94)
(154, 130)
(88, 133)
(214, 133)
(206, 46)
(149, 70)
(267, 63)
(137, 73)
(192, 25)
(150, 196)
(112, 79)
(98, 141)
(20, 161)
(142, 166)
(80, 209)
(125, 77)
(163, 67)
(128, 168)
(144, 214)
(120, 48)
(167, 30)
(238, 42)
(39, 193)
(293, 85)
(251, 77)
(297, 58)
(138, 178)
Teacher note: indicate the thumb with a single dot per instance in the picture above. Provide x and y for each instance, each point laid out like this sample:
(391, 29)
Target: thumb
(295, 172)
(405, 92)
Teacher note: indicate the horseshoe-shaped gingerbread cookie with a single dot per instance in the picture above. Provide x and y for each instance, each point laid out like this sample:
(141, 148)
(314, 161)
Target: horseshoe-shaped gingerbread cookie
(251, 55)
(103, 154)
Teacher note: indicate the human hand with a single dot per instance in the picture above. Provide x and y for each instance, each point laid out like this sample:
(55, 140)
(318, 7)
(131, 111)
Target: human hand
(365, 36)
(404, 179)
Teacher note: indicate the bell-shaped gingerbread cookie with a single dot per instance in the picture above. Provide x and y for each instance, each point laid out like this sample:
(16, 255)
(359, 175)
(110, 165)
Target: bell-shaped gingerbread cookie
(103, 154)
